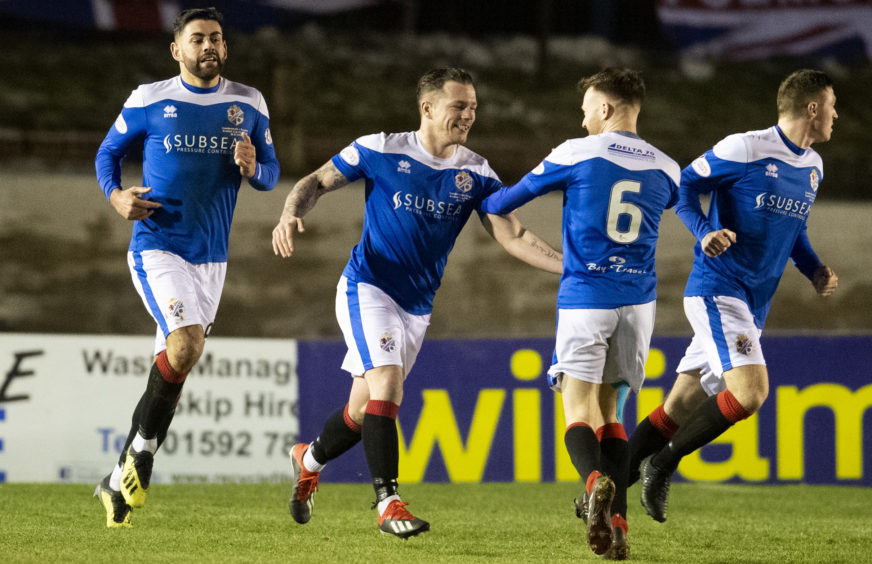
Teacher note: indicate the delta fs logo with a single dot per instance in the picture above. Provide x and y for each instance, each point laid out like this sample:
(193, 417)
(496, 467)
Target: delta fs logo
(814, 179)
(176, 309)
(743, 345)
(387, 343)
(235, 115)
(463, 181)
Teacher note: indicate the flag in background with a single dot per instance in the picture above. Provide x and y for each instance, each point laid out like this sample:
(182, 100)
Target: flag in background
(756, 29)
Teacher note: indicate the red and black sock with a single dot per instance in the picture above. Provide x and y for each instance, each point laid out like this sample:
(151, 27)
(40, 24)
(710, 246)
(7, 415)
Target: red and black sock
(651, 434)
(339, 434)
(161, 394)
(583, 448)
(156, 407)
(615, 462)
(709, 421)
(381, 445)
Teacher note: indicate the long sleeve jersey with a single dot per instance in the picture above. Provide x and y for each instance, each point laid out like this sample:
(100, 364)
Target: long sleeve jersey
(189, 135)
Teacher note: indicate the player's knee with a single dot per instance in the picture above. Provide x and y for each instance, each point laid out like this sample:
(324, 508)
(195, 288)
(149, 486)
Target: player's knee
(752, 399)
(185, 350)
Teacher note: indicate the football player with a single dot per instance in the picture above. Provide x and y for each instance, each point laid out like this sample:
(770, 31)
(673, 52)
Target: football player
(203, 135)
(762, 186)
(421, 188)
(616, 186)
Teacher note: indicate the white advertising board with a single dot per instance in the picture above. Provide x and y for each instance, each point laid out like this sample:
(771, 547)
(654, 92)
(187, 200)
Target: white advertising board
(66, 404)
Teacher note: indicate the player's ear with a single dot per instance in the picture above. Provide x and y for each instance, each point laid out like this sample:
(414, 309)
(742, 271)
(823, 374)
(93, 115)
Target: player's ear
(176, 51)
(812, 108)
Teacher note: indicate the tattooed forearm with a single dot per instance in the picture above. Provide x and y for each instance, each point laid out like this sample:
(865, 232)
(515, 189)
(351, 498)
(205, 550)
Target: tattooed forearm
(540, 245)
(311, 187)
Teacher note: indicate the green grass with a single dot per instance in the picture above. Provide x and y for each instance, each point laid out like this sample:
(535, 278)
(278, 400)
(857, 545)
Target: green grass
(470, 523)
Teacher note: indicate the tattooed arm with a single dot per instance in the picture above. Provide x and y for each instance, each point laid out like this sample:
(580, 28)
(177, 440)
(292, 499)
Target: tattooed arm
(302, 198)
(522, 244)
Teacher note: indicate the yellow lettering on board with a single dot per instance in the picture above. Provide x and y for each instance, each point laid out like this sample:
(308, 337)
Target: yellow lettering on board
(528, 435)
(526, 365)
(437, 425)
(848, 409)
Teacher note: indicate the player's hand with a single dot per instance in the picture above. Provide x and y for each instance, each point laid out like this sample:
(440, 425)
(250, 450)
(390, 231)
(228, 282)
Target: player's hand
(283, 234)
(130, 204)
(245, 156)
(825, 281)
(717, 242)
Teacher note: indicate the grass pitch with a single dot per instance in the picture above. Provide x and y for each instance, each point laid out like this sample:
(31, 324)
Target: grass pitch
(470, 523)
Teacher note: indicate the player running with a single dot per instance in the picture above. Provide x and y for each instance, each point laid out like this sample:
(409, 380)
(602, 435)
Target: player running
(202, 135)
(762, 186)
(421, 188)
(615, 187)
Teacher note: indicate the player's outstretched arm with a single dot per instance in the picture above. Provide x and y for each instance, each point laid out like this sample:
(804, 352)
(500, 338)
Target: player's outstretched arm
(716, 242)
(825, 281)
(130, 204)
(301, 199)
(522, 244)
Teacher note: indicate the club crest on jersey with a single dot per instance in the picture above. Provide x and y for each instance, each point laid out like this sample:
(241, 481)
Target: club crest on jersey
(814, 179)
(387, 343)
(463, 181)
(176, 309)
(743, 345)
(405, 167)
(235, 115)
(772, 170)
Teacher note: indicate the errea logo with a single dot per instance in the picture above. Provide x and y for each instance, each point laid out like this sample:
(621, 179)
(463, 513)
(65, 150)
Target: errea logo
(170, 111)
(405, 166)
(772, 170)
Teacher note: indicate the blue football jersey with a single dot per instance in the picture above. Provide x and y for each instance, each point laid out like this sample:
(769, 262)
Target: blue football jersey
(189, 135)
(615, 187)
(762, 187)
(416, 205)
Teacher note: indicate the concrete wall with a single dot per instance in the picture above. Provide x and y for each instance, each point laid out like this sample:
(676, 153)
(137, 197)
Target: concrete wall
(62, 250)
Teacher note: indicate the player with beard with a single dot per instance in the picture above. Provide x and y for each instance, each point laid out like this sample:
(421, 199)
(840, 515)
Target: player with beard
(421, 188)
(202, 135)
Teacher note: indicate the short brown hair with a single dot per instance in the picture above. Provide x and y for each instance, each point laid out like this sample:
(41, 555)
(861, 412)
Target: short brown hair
(618, 82)
(799, 88)
(435, 79)
(187, 16)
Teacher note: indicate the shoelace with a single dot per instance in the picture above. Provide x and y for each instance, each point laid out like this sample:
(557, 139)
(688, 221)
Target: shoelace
(308, 484)
(397, 510)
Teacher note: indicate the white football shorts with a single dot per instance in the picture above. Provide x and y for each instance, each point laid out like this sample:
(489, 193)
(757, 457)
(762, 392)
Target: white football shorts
(377, 331)
(175, 292)
(724, 337)
(603, 346)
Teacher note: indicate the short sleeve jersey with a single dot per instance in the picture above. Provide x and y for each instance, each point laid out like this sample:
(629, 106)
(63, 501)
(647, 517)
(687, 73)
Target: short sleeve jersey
(762, 187)
(615, 187)
(189, 135)
(416, 206)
